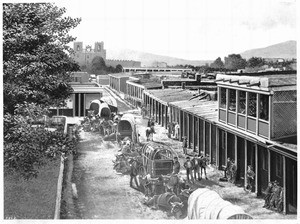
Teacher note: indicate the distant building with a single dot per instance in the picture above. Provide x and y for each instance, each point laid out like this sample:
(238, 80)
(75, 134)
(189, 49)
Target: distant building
(84, 92)
(85, 56)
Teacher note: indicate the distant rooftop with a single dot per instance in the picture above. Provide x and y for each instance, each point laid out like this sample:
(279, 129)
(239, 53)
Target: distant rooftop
(260, 80)
(171, 95)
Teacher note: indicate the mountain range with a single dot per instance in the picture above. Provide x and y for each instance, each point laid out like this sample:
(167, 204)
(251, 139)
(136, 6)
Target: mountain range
(286, 49)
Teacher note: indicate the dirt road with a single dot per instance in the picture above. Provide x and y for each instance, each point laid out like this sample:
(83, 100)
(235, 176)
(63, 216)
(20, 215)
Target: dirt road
(102, 193)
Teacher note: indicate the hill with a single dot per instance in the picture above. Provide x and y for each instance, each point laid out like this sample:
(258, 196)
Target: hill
(147, 59)
(286, 49)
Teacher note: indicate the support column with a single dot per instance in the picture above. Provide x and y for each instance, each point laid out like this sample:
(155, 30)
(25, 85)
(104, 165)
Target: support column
(218, 146)
(246, 163)
(284, 185)
(256, 169)
(84, 98)
(73, 103)
(79, 104)
(188, 130)
(210, 141)
(225, 146)
(235, 150)
(203, 132)
(269, 165)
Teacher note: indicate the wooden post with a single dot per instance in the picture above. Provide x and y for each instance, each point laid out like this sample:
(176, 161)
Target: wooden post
(284, 185)
(210, 141)
(226, 156)
(217, 147)
(73, 103)
(59, 189)
(256, 169)
(269, 165)
(257, 112)
(246, 163)
(235, 150)
(84, 103)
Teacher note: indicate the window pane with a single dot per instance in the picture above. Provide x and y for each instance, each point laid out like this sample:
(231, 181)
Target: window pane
(252, 105)
(232, 100)
(223, 98)
(242, 102)
(264, 107)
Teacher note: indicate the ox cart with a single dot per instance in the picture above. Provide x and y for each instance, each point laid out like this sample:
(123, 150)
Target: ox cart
(157, 162)
(127, 128)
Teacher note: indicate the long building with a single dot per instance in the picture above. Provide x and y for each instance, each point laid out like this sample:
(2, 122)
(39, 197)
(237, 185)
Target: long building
(253, 122)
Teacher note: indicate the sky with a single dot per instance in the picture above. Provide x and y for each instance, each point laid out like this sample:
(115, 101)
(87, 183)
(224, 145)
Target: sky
(188, 29)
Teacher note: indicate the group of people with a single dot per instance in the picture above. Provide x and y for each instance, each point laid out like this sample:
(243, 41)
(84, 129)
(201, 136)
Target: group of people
(273, 197)
(196, 167)
(173, 130)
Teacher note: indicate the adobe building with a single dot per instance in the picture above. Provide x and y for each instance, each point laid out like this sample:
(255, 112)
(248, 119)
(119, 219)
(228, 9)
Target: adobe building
(253, 122)
(85, 56)
(84, 92)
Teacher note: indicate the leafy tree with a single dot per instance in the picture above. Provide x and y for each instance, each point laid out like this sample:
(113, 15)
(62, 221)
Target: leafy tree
(218, 63)
(235, 62)
(255, 62)
(36, 75)
(119, 68)
(98, 66)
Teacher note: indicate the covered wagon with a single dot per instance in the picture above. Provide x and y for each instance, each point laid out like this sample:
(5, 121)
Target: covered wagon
(101, 109)
(157, 158)
(111, 102)
(207, 204)
(127, 128)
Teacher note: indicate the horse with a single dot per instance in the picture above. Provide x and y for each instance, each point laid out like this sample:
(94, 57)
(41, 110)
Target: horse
(167, 201)
(149, 133)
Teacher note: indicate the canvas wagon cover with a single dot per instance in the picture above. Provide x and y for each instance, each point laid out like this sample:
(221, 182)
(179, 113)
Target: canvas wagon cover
(95, 105)
(207, 204)
(111, 102)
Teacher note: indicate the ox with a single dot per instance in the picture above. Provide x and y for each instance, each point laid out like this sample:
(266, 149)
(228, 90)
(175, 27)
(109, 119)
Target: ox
(168, 202)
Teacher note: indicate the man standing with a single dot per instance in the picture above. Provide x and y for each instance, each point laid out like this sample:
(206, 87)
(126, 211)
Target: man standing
(250, 178)
(188, 165)
(233, 172)
(176, 131)
(268, 193)
(133, 173)
(196, 163)
(228, 168)
(176, 166)
(184, 145)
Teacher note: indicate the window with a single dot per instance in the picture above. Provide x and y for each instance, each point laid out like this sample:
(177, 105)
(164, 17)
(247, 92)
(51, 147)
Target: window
(264, 107)
(278, 165)
(242, 102)
(232, 100)
(78, 47)
(252, 105)
(223, 98)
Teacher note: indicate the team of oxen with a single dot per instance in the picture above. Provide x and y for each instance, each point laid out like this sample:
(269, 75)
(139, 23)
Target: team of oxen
(171, 192)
